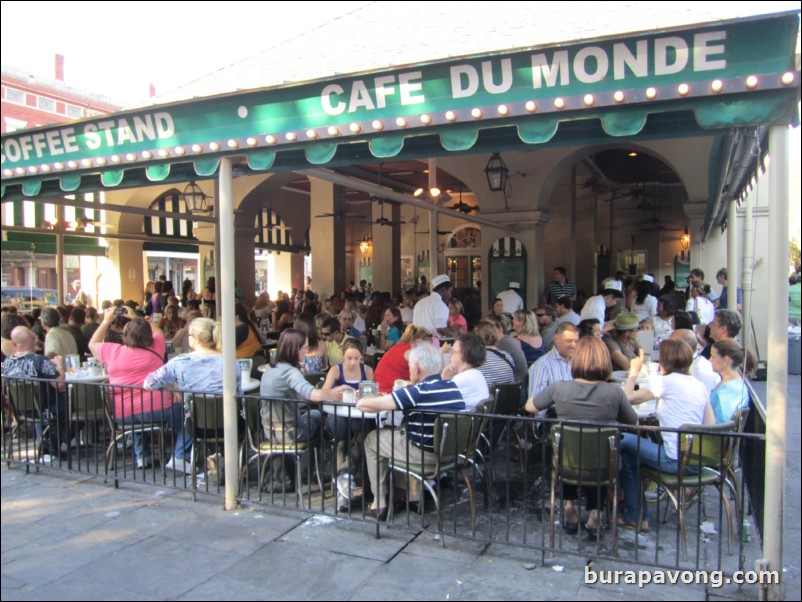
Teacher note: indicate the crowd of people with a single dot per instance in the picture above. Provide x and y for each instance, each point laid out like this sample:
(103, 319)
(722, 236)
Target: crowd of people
(432, 349)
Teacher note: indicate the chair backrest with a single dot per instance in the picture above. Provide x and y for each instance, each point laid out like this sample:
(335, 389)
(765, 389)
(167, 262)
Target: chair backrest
(207, 414)
(26, 396)
(507, 399)
(315, 379)
(452, 434)
(87, 400)
(711, 449)
(585, 454)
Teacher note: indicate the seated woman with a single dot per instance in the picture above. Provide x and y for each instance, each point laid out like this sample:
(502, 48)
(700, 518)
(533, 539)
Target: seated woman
(282, 316)
(181, 338)
(200, 371)
(348, 374)
(285, 421)
(591, 327)
(394, 365)
(524, 324)
(170, 323)
(587, 397)
(498, 367)
(456, 318)
(140, 352)
(731, 394)
(392, 327)
(249, 339)
(467, 354)
(316, 359)
(682, 400)
(497, 309)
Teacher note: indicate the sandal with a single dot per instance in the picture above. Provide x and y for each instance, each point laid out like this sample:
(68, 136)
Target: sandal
(571, 528)
(625, 524)
(593, 532)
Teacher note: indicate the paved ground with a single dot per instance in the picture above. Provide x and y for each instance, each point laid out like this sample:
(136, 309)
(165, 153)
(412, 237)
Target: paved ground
(71, 537)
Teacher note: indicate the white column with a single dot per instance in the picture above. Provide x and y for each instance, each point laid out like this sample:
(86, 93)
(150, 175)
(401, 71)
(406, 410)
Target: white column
(732, 256)
(748, 261)
(777, 385)
(225, 313)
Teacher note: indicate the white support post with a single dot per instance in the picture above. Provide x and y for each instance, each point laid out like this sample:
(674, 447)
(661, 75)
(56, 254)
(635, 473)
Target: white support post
(777, 385)
(225, 313)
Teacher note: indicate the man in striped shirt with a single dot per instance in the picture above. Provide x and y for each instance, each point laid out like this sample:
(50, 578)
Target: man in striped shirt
(561, 287)
(555, 366)
(413, 442)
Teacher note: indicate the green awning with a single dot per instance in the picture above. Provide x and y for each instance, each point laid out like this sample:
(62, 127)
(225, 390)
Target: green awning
(682, 82)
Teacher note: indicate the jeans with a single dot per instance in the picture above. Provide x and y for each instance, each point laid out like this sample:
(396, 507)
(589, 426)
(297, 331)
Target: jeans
(173, 417)
(635, 452)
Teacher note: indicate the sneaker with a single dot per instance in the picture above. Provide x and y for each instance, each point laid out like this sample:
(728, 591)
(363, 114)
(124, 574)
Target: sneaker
(180, 465)
(144, 462)
(654, 492)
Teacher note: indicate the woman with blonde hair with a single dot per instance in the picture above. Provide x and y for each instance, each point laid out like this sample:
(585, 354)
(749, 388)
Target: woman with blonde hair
(200, 371)
(527, 334)
(456, 317)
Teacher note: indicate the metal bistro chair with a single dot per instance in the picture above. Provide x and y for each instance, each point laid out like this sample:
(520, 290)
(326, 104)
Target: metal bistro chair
(86, 406)
(452, 436)
(255, 449)
(25, 403)
(206, 411)
(507, 402)
(316, 379)
(710, 454)
(586, 456)
(121, 431)
(479, 445)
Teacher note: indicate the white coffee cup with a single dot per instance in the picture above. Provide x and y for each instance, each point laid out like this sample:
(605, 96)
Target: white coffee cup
(348, 396)
(400, 383)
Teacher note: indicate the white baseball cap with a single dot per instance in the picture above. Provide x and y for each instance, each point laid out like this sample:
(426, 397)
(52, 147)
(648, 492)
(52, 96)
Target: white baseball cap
(440, 279)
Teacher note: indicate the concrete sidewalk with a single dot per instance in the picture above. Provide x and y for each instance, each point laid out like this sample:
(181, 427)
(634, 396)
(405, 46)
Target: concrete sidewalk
(69, 537)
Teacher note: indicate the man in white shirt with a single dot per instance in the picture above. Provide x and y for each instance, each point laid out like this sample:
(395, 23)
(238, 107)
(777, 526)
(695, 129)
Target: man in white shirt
(431, 312)
(612, 290)
(511, 299)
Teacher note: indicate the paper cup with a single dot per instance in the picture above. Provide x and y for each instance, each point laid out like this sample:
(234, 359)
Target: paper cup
(348, 396)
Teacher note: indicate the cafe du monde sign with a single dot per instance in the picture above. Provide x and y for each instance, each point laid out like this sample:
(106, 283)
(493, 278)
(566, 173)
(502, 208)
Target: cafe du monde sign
(603, 76)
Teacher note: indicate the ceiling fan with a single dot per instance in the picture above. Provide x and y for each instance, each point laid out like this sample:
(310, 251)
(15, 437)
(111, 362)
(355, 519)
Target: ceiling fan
(339, 214)
(463, 207)
(382, 221)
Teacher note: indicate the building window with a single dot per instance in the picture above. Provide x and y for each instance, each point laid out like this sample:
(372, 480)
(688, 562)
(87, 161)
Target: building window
(76, 112)
(17, 96)
(46, 104)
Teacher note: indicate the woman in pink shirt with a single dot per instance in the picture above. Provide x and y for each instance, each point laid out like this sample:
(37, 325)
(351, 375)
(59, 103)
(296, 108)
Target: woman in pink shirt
(128, 364)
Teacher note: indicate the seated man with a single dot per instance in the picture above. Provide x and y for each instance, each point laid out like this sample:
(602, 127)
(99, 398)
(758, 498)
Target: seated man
(25, 363)
(430, 391)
